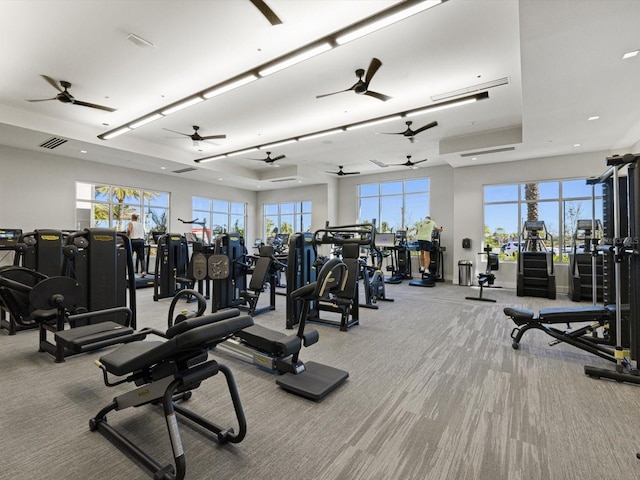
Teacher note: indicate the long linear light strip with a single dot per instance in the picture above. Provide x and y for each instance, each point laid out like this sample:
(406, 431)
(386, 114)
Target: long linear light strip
(364, 27)
(300, 57)
(354, 126)
(385, 21)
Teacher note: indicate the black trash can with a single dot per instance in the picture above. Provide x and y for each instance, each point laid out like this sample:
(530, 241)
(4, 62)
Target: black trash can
(465, 271)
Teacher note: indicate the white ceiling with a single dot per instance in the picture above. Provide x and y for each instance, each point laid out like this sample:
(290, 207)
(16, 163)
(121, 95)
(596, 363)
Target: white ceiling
(563, 60)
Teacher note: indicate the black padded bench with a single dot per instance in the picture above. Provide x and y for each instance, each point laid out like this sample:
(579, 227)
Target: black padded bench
(560, 315)
(583, 337)
(167, 371)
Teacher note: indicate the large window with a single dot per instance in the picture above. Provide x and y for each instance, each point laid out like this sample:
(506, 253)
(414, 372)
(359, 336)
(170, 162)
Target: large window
(287, 218)
(109, 206)
(396, 205)
(560, 204)
(217, 216)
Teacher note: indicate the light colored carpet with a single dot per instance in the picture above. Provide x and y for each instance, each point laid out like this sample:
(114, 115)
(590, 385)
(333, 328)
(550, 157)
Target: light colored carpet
(435, 392)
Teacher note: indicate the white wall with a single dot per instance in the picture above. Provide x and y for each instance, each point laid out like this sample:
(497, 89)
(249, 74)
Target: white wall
(468, 210)
(37, 190)
(317, 194)
(441, 201)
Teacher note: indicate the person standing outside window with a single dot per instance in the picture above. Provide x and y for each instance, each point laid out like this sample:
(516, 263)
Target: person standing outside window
(135, 231)
(425, 231)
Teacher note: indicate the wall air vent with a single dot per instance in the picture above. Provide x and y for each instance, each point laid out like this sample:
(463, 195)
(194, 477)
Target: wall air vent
(185, 170)
(282, 180)
(485, 152)
(472, 89)
(53, 142)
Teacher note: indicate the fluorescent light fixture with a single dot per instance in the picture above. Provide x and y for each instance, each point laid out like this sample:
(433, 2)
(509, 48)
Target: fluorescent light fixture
(630, 54)
(139, 41)
(115, 133)
(437, 107)
(184, 104)
(595, 117)
(145, 120)
(356, 126)
(230, 86)
(278, 144)
(242, 152)
(211, 159)
(296, 58)
(321, 134)
(386, 21)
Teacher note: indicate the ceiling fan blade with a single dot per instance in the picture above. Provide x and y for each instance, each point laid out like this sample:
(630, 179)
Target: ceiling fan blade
(279, 157)
(93, 105)
(53, 83)
(377, 95)
(419, 161)
(212, 137)
(43, 99)
(267, 12)
(379, 163)
(351, 173)
(179, 133)
(426, 127)
(341, 91)
(373, 68)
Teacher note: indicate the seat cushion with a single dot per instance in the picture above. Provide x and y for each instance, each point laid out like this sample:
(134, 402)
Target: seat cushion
(93, 333)
(573, 314)
(262, 338)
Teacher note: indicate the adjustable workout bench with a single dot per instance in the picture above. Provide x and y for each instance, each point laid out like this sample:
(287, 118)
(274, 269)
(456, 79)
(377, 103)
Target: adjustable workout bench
(597, 316)
(167, 371)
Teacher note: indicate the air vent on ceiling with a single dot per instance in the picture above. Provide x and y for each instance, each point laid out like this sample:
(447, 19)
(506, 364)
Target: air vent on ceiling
(282, 180)
(472, 89)
(185, 170)
(53, 142)
(485, 152)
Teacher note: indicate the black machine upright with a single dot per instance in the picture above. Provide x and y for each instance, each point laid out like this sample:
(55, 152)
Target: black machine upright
(400, 267)
(172, 260)
(536, 270)
(586, 262)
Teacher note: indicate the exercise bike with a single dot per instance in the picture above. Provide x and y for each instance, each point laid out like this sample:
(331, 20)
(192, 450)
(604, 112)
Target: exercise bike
(487, 277)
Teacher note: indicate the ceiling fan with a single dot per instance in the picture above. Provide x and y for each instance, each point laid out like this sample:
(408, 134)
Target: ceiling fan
(408, 163)
(195, 136)
(270, 161)
(65, 97)
(361, 87)
(267, 12)
(342, 173)
(410, 134)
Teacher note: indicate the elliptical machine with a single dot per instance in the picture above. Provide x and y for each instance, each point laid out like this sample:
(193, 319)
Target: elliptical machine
(435, 272)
